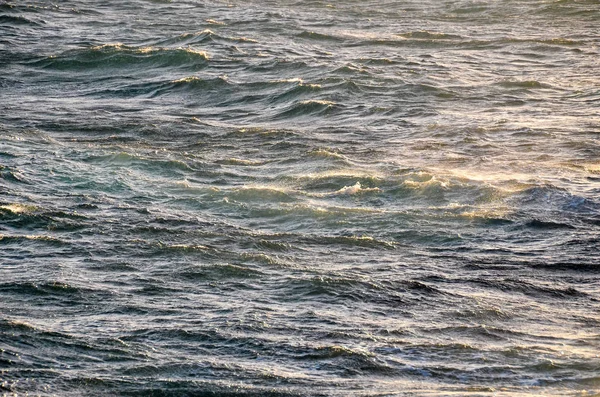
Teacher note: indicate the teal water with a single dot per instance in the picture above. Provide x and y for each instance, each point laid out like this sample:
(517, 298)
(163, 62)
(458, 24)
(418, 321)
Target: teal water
(286, 198)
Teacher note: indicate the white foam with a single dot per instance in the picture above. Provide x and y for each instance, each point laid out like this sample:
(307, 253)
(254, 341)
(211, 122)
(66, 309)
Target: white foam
(356, 188)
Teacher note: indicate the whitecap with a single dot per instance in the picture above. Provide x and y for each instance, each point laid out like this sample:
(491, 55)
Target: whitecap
(355, 189)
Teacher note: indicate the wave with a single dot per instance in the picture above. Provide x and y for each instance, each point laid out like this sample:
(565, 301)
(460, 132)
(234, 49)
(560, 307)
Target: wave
(151, 163)
(32, 238)
(528, 84)
(548, 225)
(380, 61)
(527, 288)
(119, 56)
(432, 40)
(353, 241)
(356, 189)
(298, 90)
(17, 208)
(277, 134)
(58, 289)
(31, 217)
(318, 36)
(548, 198)
(261, 194)
(205, 37)
(311, 107)
(278, 68)
(219, 272)
(189, 85)
(566, 8)
(241, 162)
(19, 20)
(304, 199)
(213, 22)
(426, 35)
(327, 154)
(402, 185)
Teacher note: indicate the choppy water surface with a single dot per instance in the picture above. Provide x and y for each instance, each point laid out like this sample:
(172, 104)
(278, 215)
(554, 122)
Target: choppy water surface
(254, 198)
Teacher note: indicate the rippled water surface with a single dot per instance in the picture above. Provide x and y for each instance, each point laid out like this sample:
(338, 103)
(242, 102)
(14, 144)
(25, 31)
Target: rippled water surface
(300, 198)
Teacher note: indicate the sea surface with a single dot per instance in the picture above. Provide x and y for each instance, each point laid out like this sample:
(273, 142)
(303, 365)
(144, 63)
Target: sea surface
(300, 198)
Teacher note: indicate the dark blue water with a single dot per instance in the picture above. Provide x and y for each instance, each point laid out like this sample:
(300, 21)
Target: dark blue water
(288, 198)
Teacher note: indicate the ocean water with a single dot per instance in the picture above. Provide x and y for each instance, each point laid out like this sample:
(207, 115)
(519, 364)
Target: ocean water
(300, 198)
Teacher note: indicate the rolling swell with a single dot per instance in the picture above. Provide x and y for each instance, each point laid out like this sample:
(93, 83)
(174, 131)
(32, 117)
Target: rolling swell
(299, 198)
(111, 56)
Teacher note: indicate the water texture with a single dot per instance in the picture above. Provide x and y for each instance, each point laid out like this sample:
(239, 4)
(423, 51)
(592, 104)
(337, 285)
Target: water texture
(300, 198)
